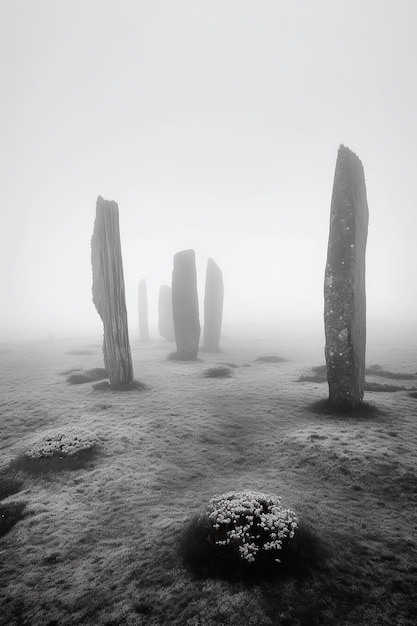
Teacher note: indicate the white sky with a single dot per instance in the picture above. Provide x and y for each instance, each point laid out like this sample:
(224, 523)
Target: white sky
(215, 125)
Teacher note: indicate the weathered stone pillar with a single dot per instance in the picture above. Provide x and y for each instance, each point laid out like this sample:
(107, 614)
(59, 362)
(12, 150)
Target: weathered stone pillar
(185, 305)
(143, 311)
(344, 284)
(109, 293)
(213, 307)
(165, 315)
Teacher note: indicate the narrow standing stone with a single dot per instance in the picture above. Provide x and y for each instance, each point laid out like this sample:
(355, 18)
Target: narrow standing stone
(344, 284)
(213, 307)
(109, 292)
(165, 316)
(143, 311)
(185, 305)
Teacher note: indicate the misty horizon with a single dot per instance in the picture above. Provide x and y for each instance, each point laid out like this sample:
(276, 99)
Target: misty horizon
(214, 127)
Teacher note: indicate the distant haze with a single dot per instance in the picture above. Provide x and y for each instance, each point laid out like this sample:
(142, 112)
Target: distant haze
(215, 125)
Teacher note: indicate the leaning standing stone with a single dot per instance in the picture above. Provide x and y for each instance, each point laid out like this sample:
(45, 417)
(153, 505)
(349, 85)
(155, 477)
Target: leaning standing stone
(344, 284)
(109, 293)
(185, 305)
(213, 307)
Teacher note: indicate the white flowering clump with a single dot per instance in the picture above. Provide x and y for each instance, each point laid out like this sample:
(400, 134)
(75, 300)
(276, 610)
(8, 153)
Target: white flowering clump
(251, 522)
(66, 442)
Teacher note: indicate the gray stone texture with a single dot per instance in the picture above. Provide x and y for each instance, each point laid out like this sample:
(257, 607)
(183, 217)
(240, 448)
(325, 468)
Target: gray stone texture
(143, 311)
(344, 284)
(109, 293)
(185, 305)
(165, 316)
(213, 307)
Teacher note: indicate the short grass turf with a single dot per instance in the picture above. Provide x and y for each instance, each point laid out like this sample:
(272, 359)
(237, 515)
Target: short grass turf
(100, 544)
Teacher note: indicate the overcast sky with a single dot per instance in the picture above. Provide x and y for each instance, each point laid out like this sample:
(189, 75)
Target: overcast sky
(215, 125)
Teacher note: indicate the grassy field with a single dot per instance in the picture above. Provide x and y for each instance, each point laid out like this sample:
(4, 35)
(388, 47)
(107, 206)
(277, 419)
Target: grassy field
(98, 543)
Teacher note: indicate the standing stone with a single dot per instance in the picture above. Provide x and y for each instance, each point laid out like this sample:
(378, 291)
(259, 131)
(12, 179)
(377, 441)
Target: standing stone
(213, 307)
(109, 293)
(185, 305)
(165, 316)
(143, 311)
(344, 284)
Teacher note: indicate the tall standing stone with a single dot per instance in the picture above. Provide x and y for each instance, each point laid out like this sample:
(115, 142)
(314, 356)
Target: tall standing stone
(109, 292)
(165, 316)
(344, 284)
(185, 305)
(213, 307)
(143, 311)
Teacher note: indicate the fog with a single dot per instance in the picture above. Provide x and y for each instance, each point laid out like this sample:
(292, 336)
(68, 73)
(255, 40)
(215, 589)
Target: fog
(215, 126)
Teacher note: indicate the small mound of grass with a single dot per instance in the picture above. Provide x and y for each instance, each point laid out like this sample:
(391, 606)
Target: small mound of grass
(363, 410)
(10, 514)
(135, 385)
(248, 535)
(377, 370)
(413, 394)
(218, 371)
(319, 375)
(313, 378)
(369, 386)
(87, 376)
(270, 359)
(9, 484)
(67, 448)
(72, 370)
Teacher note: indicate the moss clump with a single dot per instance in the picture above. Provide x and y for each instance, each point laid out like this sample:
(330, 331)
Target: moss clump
(248, 535)
(270, 359)
(87, 376)
(369, 386)
(378, 370)
(218, 371)
(57, 449)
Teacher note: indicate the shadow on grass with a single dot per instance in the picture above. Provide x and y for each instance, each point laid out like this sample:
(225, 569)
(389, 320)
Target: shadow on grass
(53, 463)
(270, 359)
(9, 484)
(413, 394)
(10, 514)
(206, 559)
(363, 410)
(136, 385)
